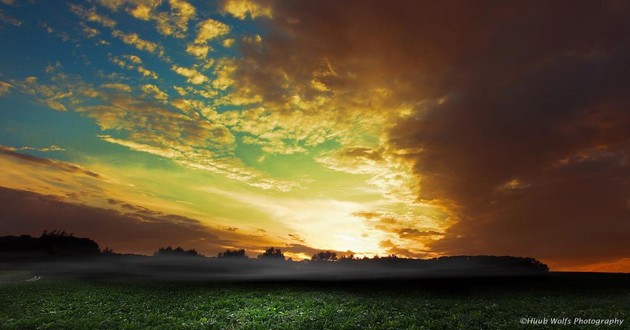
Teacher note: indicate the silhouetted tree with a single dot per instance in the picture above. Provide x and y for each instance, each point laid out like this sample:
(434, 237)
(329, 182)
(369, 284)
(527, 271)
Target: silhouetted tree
(272, 253)
(324, 256)
(348, 257)
(232, 254)
(178, 251)
(63, 243)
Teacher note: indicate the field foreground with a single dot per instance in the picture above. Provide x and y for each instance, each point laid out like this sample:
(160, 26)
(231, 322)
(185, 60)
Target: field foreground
(27, 302)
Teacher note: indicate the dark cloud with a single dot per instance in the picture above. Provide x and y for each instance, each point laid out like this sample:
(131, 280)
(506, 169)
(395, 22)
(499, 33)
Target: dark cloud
(393, 249)
(412, 233)
(296, 237)
(139, 231)
(361, 152)
(34, 160)
(520, 121)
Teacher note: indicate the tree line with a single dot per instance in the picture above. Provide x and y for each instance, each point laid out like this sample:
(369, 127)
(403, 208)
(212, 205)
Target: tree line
(62, 244)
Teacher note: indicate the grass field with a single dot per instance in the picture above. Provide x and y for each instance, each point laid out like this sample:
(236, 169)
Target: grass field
(427, 304)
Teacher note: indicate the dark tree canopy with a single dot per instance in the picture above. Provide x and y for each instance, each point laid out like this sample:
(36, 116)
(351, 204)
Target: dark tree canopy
(232, 254)
(272, 253)
(178, 251)
(324, 256)
(57, 243)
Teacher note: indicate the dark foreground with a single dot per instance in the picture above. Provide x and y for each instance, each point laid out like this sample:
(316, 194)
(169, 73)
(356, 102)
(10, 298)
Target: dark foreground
(467, 303)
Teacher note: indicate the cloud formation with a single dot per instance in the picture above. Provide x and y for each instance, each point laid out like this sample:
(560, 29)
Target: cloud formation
(129, 229)
(4, 87)
(210, 29)
(134, 40)
(528, 96)
(172, 22)
(39, 193)
(246, 8)
(192, 75)
(66, 167)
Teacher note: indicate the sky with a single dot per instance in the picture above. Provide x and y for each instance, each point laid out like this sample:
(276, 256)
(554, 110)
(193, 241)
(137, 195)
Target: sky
(414, 128)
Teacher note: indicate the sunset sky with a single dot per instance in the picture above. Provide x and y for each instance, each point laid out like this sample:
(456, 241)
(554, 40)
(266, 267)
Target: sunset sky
(415, 128)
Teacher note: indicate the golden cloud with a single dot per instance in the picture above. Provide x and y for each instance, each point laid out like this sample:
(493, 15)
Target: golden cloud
(4, 87)
(210, 29)
(117, 86)
(155, 92)
(199, 51)
(91, 15)
(246, 8)
(134, 39)
(193, 76)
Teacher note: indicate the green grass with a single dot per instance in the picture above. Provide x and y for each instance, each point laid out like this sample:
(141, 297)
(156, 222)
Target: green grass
(83, 304)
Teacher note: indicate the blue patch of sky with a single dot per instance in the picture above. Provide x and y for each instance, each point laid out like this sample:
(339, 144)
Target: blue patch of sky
(24, 123)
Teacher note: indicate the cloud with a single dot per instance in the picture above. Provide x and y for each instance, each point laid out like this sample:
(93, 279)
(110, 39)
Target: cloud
(134, 62)
(224, 70)
(81, 184)
(4, 18)
(146, 72)
(134, 59)
(199, 51)
(143, 120)
(154, 92)
(210, 29)
(39, 194)
(89, 32)
(173, 22)
(141, 12)
(91, 15)
(51, 95)
(112, 4)
(193, 76)
(531, 145)
(394, 178)
(393, 249)
(512, 117)
(117, 87)
(134, 40)
(126, 229)
(356, 160)
(406, 234)
(53, 147)
(58, 90)
(190, 139)
(37, 161)
(155, 150)
(245, 8)
(476, 99)
(4, 88)
(411, 233)
(280, 132)
(227, 43)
